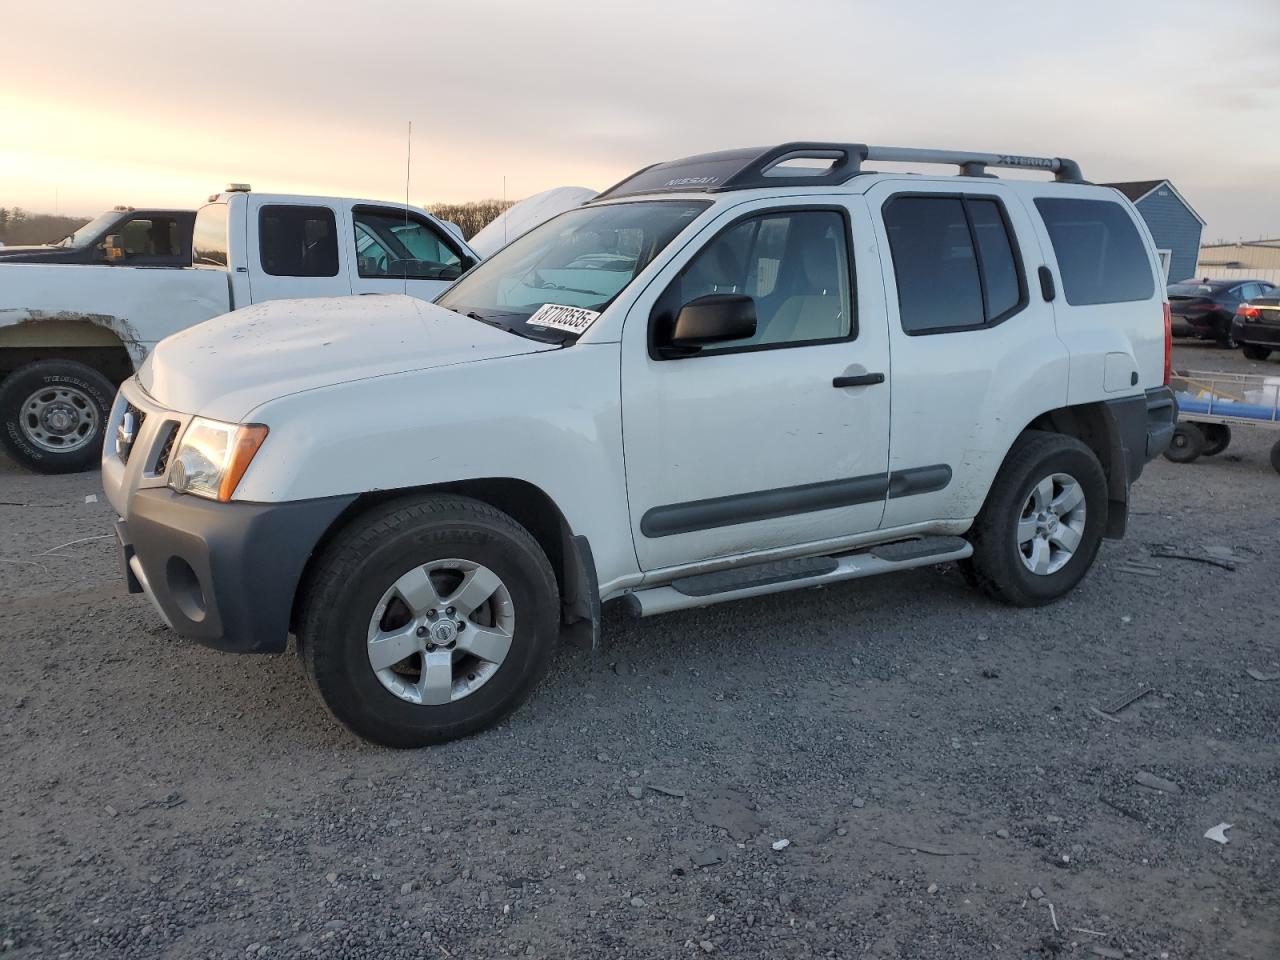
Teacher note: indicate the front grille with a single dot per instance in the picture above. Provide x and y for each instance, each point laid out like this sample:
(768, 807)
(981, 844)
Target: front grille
(124, 439)
(170, 437)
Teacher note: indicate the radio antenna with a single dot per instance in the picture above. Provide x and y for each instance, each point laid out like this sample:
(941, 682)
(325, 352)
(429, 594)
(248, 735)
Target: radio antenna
(408, 160)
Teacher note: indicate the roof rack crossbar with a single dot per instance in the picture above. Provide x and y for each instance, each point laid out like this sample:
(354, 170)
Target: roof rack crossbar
(846, 161)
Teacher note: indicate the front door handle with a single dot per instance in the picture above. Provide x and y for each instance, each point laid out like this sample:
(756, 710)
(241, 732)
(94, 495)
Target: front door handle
(861, 380)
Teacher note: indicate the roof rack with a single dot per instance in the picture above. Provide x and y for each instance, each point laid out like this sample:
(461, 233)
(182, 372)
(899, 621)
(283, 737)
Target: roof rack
(761, 167)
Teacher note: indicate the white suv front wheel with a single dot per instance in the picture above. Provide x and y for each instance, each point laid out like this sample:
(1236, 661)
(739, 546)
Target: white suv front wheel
(427, 619)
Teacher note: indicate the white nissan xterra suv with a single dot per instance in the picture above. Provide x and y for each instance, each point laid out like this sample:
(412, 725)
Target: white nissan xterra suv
(727, 376)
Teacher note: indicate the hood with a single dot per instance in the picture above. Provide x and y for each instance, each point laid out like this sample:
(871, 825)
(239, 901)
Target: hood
(226, 367)
(29, 249)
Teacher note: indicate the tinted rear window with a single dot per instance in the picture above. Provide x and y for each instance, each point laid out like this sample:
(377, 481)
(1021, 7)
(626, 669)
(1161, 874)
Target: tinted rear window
(1100, 253)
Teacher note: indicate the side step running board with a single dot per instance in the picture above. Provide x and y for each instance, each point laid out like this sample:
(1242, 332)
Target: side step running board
(764, 578)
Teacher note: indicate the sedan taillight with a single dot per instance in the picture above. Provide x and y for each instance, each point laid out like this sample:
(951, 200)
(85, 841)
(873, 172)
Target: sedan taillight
(1248, 312)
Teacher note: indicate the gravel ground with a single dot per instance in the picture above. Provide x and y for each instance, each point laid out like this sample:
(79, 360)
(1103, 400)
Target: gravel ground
(937, 762)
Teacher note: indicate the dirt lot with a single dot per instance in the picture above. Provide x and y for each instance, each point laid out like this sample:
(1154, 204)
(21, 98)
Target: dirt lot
(931, 758)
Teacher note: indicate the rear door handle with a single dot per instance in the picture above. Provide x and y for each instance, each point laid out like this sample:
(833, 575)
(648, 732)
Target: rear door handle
(861, 380)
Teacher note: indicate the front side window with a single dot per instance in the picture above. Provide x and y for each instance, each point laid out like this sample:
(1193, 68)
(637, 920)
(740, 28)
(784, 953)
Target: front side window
(955, 262)
(1100, 253)
(209, 236)
(794, 264)
(298, 241)
(389, 244)
(583, 258)
(151, 237)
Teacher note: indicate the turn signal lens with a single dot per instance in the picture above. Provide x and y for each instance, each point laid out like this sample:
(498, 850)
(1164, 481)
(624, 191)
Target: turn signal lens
(248, 440)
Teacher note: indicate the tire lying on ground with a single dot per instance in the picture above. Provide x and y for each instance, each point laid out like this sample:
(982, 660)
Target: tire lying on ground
(1042, 523)
(427, 619)
(53, 414)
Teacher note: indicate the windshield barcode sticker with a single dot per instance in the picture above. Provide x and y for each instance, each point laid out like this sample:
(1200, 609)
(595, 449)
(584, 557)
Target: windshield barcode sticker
(559, 317)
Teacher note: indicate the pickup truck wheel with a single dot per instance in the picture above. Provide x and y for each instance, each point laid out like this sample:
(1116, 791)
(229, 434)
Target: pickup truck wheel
(1254, 352)
(52, 415)
(1040, 529)
(428, 619)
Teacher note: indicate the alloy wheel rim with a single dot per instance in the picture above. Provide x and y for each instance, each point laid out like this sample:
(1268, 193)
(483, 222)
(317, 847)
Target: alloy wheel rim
(441, 631)
(59, 419)
(1051, 524)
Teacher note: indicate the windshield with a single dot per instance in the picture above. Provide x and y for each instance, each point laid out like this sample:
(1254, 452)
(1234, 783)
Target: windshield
(89, 232)
(583, 258)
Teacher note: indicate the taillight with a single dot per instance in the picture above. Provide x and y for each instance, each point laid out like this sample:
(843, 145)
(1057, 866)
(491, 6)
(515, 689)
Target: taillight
(1248, 312)
(1168, 345)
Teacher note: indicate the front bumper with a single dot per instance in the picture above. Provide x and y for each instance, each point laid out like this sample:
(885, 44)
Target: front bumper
(223, 574)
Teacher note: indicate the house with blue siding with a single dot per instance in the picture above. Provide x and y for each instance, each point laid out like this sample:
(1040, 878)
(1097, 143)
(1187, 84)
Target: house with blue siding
(1174, 224)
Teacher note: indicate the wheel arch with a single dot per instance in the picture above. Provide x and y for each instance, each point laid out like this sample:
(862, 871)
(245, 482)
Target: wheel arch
(88, 340)
(1097, 427)
(530, 506)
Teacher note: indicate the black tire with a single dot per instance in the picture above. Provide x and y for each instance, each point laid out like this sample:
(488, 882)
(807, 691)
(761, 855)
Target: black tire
(1275, 456)
(1253, 351)
(1187, 444)
(1217, 437)
(361, 564)
(996, 564)
(81, 385)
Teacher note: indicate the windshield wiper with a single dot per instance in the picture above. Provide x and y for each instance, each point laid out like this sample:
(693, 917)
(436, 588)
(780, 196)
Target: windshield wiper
(519, 331)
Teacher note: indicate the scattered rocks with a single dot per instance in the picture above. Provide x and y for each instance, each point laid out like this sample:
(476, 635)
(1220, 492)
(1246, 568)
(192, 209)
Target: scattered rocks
(636, 792)
(637, 901)
(1036, 894)
(932, 889)
(1002, 833)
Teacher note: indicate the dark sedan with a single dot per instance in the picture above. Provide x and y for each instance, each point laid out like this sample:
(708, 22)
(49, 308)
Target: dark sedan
(1257, 325)
(1206, 308)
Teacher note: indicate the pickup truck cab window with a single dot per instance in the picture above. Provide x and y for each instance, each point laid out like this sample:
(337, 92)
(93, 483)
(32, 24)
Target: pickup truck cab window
(795, 266)
(582, 258)
(393, 244)
(151, 237)
(298, 241)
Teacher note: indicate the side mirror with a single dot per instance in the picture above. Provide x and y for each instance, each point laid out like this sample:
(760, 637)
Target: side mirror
(113, 247)
(715, 318)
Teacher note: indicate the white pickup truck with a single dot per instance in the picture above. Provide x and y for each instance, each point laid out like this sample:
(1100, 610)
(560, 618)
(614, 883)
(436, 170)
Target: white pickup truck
(725, 377)
(70, 333)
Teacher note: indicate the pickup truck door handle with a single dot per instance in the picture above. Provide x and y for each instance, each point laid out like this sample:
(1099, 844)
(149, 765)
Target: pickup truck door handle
(861, 380)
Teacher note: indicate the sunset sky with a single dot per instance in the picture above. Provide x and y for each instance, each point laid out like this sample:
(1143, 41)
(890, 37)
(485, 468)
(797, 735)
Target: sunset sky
(147, 102)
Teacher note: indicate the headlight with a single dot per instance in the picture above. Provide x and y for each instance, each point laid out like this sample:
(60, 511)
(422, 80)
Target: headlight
(212, 457)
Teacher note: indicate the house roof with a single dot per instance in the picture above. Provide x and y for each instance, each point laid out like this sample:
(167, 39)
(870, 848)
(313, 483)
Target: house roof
(1135, 190)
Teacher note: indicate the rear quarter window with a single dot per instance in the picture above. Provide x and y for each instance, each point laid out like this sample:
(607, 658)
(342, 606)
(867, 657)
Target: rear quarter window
(209, 236)
(1100, 253)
